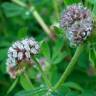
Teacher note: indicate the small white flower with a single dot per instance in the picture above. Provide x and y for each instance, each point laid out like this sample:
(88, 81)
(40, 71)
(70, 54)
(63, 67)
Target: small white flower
(20, 56)
(10, 49)
(37, 46)
(13, 62)
(34, 51)
(19, 45)
(14, 54)
(32, 42)
(9, 54)
(26, 45)
(8, 62)
(27, 54)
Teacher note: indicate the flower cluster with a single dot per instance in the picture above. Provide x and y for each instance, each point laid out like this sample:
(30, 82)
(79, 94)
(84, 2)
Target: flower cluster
(19, 54)
(77, 22)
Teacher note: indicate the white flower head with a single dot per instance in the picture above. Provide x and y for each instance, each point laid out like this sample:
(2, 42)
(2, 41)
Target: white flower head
(78, 23)
(19, 52)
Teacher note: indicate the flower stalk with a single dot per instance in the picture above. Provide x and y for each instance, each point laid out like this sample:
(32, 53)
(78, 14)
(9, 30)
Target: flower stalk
(56, 8)
(43, 73)
(12, 86)
(70, 67)
(37, 16)
(28, 81)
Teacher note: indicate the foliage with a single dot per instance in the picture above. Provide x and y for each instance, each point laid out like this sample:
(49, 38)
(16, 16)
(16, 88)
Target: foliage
(18, 22)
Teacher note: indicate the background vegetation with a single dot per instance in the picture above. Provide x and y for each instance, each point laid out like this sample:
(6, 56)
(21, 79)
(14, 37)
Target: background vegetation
(41, 21)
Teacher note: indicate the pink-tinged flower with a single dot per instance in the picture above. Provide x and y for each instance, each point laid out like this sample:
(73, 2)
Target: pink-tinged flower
(77, 22)
(20, 54)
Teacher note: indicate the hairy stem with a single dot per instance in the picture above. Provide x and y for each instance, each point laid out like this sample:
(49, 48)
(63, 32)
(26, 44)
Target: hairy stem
(70, 67)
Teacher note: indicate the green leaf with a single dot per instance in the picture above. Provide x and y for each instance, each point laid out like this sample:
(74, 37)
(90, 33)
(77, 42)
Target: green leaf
(68, 2)
(3, 54)
(32, 73)
(54, 75)
(60, 56)
(73, 86)
(22, 32)
(12, 86)
(25, 82)
(83, 61)
(92, 58)
(71, 94)
(94, 10)
(4, 44)
(57, 47)
(45, 50)
(88, 93)
(91, 1)
(40, 91)
(12, 9)
(59, 31)
(94, 51)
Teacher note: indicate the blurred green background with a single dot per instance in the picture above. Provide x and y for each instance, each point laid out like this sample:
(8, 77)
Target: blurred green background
(18, 22)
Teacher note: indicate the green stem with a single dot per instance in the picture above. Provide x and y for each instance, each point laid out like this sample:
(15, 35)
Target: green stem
(43, 74)
(65, 3)
(28, 80)
(12, 86)
(90, 59)
(37, 17)
(15, 82)
(3, 22)
(56, 8)
(69, 68)
(41, 22)
(28, 85)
